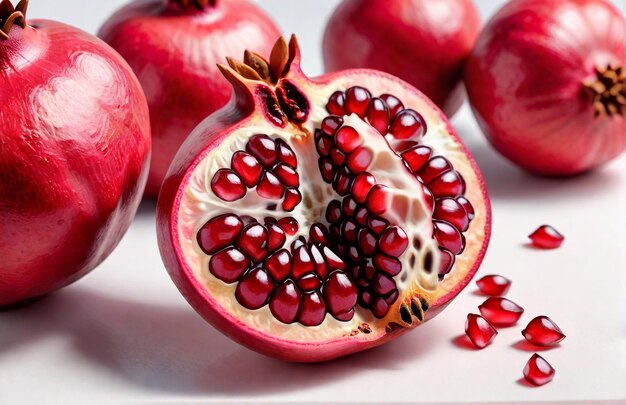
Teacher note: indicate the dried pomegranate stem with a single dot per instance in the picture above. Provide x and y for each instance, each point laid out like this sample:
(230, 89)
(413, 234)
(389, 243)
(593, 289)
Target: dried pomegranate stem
(9, 16)
(199, 4)
(607, 91)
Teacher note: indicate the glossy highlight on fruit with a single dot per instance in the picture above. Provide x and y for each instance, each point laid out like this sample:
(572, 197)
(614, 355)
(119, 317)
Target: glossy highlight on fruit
(74, 153)
(479, 331)
(174, 47)
(538, 371)
(301, 219)
(494, 285)
(425, 42)
(550, 98)
(546, 237)
(542, 331)
(501, 311)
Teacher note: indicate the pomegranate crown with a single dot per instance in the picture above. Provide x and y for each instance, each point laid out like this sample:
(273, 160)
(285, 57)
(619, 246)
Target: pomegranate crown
(9, 16)
(607, 91)
(199, 4)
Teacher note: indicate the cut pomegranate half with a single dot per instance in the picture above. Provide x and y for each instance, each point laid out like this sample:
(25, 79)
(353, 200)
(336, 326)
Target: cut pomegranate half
(310, 219)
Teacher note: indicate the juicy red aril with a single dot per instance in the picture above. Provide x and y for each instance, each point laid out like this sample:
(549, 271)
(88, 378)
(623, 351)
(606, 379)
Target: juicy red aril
(312, 309)
(254, 289)
(331, 124)
(247, 167)
(452, 212)
(318, 234)
(348, 206)
(377, 224)
(219, 232)
(287, 175)
(279, 265)
(335, 104)
(435, 167)
(319, 263)
(342, 181)
(376, 201)
(332, 260)
(363, 183)
(417, 157)
(546, 237)
(407, 124)
(309, 282)
(323, 144)
(276, 236)
(542, 331)
(393, 103)
(359, 160)
(383, 284)
(378, 115)
(289, 225)
(393, 241)
(292, 199)
(228, 265)
(253, 242)
(334, 212)
(349, 230)
(347, 139)
(340, 294)
(302, 262)
(468, 207)
(494, 285)
(449, 237)
(270, 187)
(357, 101)
(479, 331)
(538, 371)
(263, 148)
(387, 264)
(446, 262)
(327, 169)
(285, 154)
(227, 185)
(379, 307)
(500, 311)
(367, 242)
(449, 184)
(285, 302)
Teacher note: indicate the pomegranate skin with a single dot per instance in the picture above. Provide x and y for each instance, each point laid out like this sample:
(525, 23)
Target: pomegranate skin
(174, 53)
(74, 156)
(424, 42)
(525, 80)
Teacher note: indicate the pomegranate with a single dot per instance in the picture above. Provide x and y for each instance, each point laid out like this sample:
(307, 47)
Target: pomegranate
(74, 153)
(174, 47)
(310, 219)
(538, 371)
(550, 98)
(425, 42)
(546, 237)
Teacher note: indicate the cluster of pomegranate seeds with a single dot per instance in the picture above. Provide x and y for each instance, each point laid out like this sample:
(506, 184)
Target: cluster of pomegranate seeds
(479, 331)
(501, 311)
(267, 164)
(542, 331)
(546, 237)
(538, 371)
(494, 285)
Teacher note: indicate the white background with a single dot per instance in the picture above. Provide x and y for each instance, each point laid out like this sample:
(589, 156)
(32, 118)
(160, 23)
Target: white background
(125, 333)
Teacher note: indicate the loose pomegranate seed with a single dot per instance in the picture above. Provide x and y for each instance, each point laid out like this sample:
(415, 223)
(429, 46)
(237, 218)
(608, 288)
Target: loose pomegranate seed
(327, 169)
(289, 225)
(389, 265)
(263, 148)
(254, 289)
(312, 309)
(285, 154)
(363, 183)
(435, 167)
(546, 237)
(393, 241)
(287, 175)
(347, 139)
(393, 103)
(494, 285)
(376, 201)
(219, 232)
(500, 311)
(331, 124)
(449, 237)
(276, 236)
(417, 157)
(340, 295)
(270, 187)
(253, 242)
(407, 124)
(378, 115)
(357, 101)
(359, 160)
(538, 371)
(449, 184)
(449, 210)
(247, 167)
(479, 331)
(309, 282)
(227, 185)
(286, 302)
(292, 199)
(228, 265)
(335, 104)
(278, 265)
(542, 331)
(367, 242)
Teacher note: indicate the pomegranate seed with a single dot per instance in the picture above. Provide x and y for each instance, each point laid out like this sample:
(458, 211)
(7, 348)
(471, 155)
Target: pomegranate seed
(302, 262)
(377, 224)
(292, 199)
(340, 295)
(319, 234)
(500, 311)
(538, 371)
(363, 183)
(394, 241)
(301, 241)
(336, 103)
(359, 160)
(253, 242)
(318, 262)
(227, 185)
(383, 284)
(416, 157)
(287, 175)
(391, 298)
(312, 309)
(285, 154)
(479, 331)
(542, 331)
(270, 187)
(494, 285)
(331, 124)
(367, 242)
(334, 212)
(379, 308)
(393, 103)
(263, 148)
(348, 205)
(376, 201)
(361, 216)
(289, 225)
(354, 254)
(247, 167)
(324, 144)
(429, 199)
(435, 167)
(365, 299)
(327, 169)
(343, 181)
(228, 265)
(309, 282)
(278, 265)
(389, 265)
(546, 237)
(378, 115)
(446, 262)
(449, 237)
(449, 210)
(219, 232)
(367, 270)
(337, 156)
(348, 230)
(285, 302)
(357, 101)
(254, 289)
(276, 237)
(407, 124)
(332, 260)
(347, 139)
(449, 184)
(468, 207)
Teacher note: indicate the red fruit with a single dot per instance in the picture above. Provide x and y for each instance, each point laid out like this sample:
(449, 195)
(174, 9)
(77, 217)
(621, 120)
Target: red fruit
(538, 371)
(174, 49)
(494, 285)
(479, 331)
(542, 331)
(74, 151)
(546, 237)
(357, 243)
(423, 42)
(500, 311)
(535, 86)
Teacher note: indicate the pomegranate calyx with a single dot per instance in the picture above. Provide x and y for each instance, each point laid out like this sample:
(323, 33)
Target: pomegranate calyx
(607, 91)
(9, 16)
(199, 4)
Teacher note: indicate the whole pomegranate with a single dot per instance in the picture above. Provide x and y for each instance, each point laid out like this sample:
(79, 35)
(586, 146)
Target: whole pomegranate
(74, 153)
(174, 46)
(547, 82)
(424, 42)
(309, 219)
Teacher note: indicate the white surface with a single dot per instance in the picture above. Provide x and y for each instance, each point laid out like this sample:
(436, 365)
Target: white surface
(125, 333)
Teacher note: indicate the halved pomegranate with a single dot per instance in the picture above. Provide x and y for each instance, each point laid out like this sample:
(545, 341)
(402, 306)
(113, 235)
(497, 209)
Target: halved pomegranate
(310, 219)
